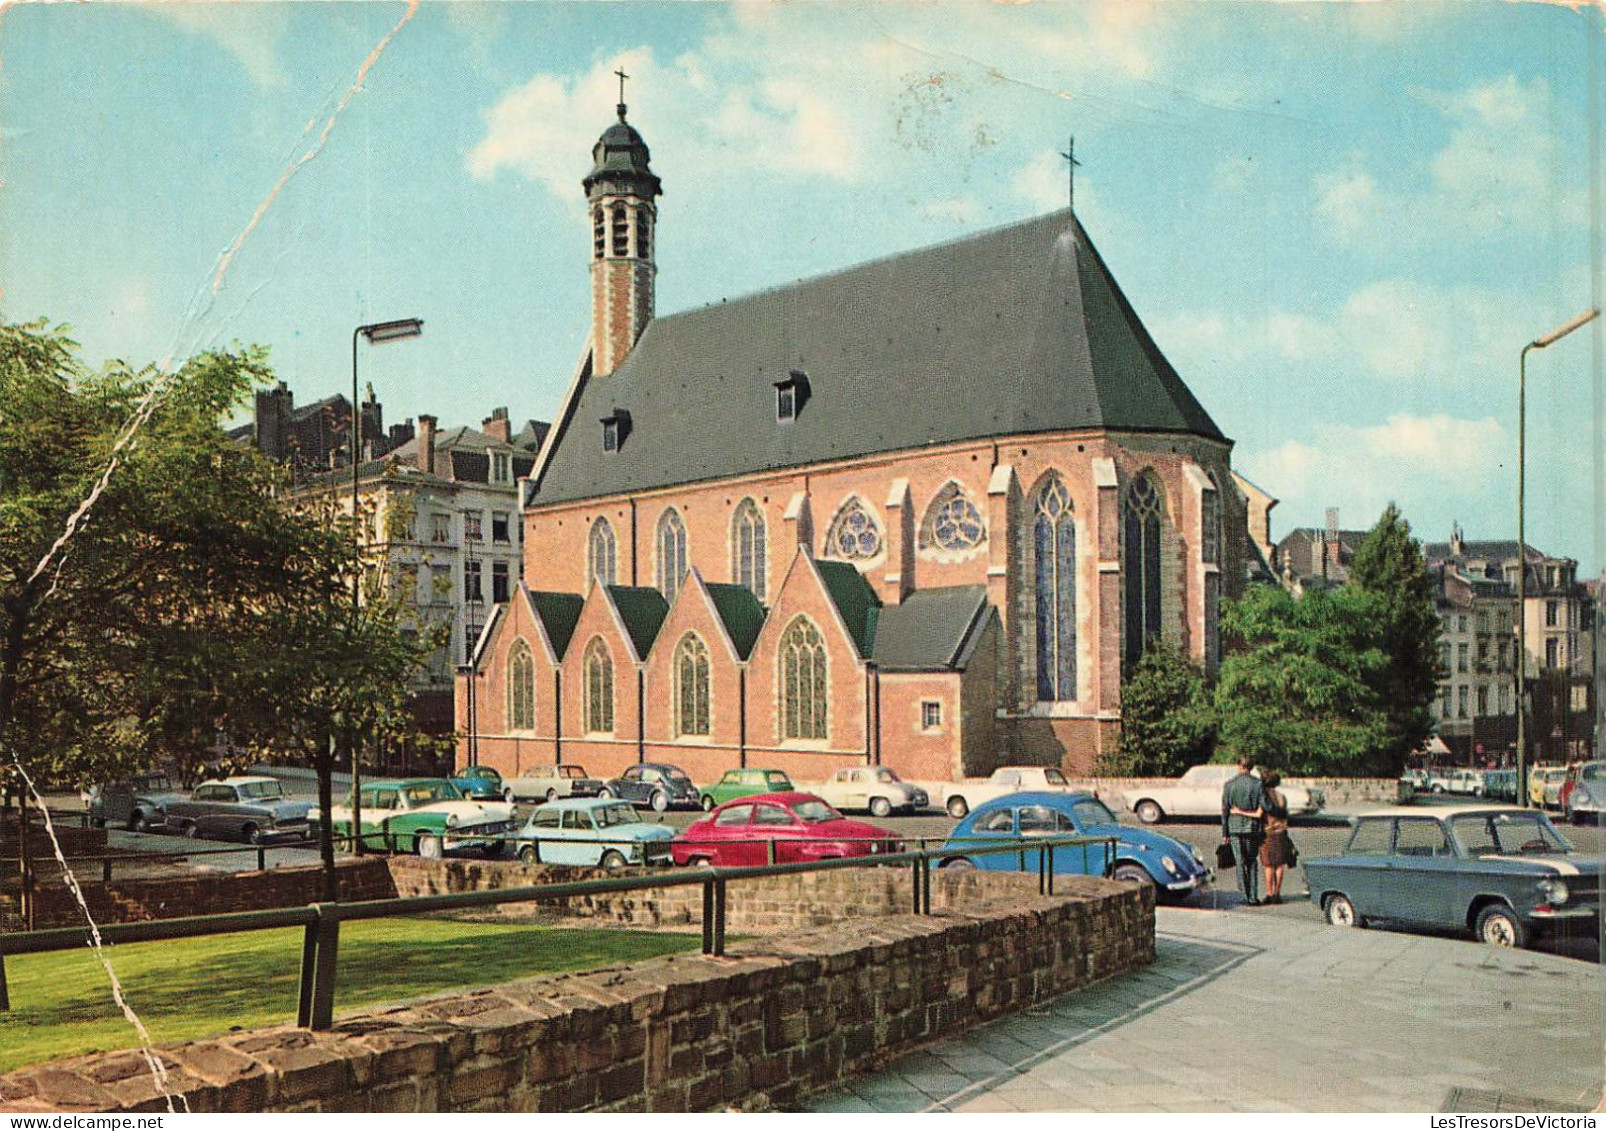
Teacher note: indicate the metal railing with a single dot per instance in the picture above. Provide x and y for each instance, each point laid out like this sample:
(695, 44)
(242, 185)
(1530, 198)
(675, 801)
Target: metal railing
(320, 922)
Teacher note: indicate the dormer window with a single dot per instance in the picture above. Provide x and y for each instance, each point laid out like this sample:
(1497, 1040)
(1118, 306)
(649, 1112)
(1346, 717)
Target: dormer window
(614, 430)
(501, 467)
(791, 395)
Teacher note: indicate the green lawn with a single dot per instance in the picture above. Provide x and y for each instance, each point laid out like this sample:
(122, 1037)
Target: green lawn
(62, 1006)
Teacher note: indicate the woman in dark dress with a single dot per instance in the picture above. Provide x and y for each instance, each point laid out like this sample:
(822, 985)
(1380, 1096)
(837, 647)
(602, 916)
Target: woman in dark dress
(1274, 850)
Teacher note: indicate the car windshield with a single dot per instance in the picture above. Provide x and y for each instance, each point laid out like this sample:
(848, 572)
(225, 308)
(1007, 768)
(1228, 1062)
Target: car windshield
(887, 776)
(156, 783)
(261, 790)
(1092, 812)
(607, 816)
(483, 773)
(778, 781)
(813, 811)
(429, 792)
(675, 773)
(1507, 834)
(1054, 777)
(1592, 770)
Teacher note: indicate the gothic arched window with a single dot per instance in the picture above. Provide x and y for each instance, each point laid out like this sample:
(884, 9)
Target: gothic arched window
(520, 687)
(1140, 565)
(643, 234)
(599, 687)
(599, 243)
(691, 686)
(804, 692)
(1210, 524)
(952, 521)
(601, 552)
(671, 554)
(748, 547)
(1054, 548)
(854, 533)
(621, 231)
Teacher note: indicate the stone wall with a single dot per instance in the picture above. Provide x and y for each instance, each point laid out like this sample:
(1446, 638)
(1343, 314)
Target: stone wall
(777, 1018)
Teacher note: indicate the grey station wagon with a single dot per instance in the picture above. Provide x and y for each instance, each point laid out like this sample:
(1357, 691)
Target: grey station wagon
(1503, 873)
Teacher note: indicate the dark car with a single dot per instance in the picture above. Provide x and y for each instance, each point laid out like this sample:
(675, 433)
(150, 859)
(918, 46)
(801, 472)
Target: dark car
(657, 784)
(139, 803)
(252, 809)
(1502, 873)
(479, 783)
(1141, 856)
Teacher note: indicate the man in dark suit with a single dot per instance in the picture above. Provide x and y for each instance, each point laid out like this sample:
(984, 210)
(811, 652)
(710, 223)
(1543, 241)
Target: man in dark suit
(1243, 803)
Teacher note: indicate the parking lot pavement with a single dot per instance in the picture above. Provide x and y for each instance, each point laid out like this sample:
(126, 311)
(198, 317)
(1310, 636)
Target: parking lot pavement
(1244, 1012)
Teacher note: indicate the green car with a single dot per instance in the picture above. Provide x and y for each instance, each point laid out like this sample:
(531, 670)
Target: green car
(424, 815)
(745, 783)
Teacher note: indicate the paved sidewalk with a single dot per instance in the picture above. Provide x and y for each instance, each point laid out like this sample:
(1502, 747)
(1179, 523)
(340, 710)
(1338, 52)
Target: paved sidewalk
(1259, 1013)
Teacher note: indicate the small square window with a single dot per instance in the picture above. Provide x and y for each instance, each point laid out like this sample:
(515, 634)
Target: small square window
(785, 404)
(610, 435)
(930, 715)
(499, 526)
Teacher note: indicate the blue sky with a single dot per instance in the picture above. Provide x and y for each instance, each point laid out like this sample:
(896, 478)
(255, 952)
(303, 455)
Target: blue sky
(1340, 221)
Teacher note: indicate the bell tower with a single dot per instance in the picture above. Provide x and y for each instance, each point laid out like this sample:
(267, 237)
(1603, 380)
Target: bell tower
(619, 193)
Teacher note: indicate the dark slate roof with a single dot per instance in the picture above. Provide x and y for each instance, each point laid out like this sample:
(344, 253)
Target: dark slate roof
(933, 630)
(530, 436)
(643, 610)
(854, 599)
(1496, 551)
(740, 611)
(1014, 331)
(559, 612)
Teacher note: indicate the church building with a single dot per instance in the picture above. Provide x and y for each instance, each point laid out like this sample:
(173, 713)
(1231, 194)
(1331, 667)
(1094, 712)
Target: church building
(919, 512)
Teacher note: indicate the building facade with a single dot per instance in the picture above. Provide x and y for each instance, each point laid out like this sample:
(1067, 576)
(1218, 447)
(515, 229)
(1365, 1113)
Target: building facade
(918, 513)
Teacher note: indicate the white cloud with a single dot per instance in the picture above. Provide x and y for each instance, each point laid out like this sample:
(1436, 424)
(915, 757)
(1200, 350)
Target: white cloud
(250, 32)
(966, 210)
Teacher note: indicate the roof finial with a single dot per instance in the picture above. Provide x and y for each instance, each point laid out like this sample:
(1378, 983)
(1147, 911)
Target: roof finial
(622, 77)
(1071, 163)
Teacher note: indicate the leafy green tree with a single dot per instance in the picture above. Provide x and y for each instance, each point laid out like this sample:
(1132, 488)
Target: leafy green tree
(1298, 690)
(1389, 568)
(1167, 717)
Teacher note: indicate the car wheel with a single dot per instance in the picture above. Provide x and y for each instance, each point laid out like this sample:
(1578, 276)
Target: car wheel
(708, 803)
(97, 822)
(1438, 789)
(660, 801)
(880, 807)
(507, 795)
(700, 862)
(1498, 925)
(1149, 812)
(552, 794)
(136, 822)
(1341, 912)
(958, 807)
(191, 830)
(1135, 874)
(613, 860)
(251, 833)
(605, 794)
(959, 864)
(428, 846)
(528, 855)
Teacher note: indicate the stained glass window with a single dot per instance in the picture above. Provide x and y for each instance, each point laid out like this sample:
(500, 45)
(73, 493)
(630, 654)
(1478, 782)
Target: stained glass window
(748, 547)
(803, 681)
(600, 553)
(854, 533)
(952, 521)
(520, 688)
(1210, 524)
(599, 687)
(671, 554)
(1140, 566)
(691, 686)
(1054, 546)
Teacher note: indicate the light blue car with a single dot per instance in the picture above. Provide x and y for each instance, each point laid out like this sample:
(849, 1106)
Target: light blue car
(592, 832)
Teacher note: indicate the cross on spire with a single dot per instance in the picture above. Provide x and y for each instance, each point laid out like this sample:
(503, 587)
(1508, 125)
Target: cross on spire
(1071, 164)
(622, 77)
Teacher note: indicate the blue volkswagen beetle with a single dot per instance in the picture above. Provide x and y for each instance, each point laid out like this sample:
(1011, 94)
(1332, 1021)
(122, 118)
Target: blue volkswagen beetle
(1141, 856)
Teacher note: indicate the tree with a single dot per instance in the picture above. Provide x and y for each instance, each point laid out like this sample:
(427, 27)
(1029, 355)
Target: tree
(1167, 717)
(1388, 567)
(1299, 689)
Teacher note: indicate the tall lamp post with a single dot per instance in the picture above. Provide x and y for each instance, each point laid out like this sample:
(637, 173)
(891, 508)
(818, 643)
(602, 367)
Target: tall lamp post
(377, 333)
(1538, 343)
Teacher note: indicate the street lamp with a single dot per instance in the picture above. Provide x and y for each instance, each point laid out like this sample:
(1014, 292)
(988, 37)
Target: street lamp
(377, 333)
(1538, 343)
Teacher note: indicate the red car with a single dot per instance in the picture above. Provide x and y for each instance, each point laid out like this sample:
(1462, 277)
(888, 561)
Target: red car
(802, 826)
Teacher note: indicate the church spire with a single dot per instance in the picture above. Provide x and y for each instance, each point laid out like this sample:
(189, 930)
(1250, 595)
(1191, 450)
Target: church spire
(620, 190)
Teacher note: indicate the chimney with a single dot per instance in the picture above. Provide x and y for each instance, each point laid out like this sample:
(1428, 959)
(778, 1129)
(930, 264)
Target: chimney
(426, 444)
(497, 426)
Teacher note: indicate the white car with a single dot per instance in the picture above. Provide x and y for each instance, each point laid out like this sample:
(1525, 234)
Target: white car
(960, 797)
(875, 788)
(1198, 794)
(548, 783)
(1469, 782)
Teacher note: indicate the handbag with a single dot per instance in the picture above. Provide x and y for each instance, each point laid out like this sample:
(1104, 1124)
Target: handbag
(1224, 856)
(1293, 853)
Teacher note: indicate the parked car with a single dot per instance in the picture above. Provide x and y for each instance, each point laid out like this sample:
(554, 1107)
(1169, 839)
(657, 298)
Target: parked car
(1466, 782)
(1587, 801)
(959, 798)
(1415, 780)
(1502, 873)
(591, 832)
(548, 783)
(1544, 786)
(1198, 794)
(425, 815)
(745, 783)
(252, 809)
(1568, 783)
(138, 803)
(801, 826)
(875, 788)
(1141, 856)
(1500, 785)
(657, 784)
(479, 783)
